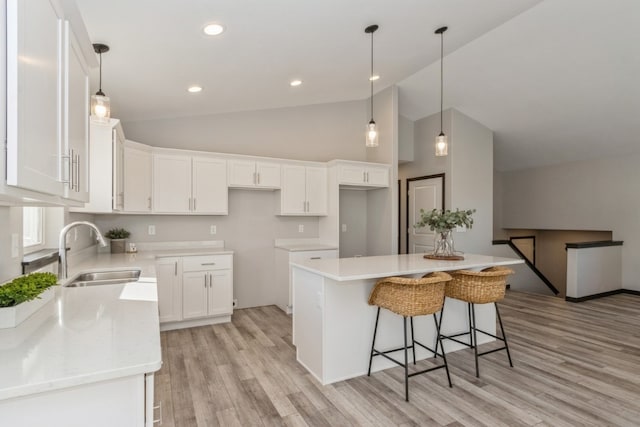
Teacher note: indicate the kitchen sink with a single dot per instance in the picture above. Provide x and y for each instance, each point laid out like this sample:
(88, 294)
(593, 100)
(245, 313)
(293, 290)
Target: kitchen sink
(96, 278)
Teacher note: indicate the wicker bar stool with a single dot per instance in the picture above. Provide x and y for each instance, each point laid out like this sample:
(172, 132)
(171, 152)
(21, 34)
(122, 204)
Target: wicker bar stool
(478, 287)
(409, 297)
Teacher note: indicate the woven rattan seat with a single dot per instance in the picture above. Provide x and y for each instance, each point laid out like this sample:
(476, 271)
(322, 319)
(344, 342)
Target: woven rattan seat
(409, 297)
(478, 287)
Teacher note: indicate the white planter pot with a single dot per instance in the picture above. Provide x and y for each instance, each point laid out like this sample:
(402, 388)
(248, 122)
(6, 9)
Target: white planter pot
(10, 317)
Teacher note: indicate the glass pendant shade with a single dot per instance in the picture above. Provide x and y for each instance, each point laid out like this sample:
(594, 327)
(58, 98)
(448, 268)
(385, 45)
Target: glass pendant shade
(442, 147)
(372, 135)
(100, 108)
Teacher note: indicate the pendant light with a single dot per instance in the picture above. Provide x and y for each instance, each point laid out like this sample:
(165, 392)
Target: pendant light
(372, 132)
(100, 103)
(442, 145)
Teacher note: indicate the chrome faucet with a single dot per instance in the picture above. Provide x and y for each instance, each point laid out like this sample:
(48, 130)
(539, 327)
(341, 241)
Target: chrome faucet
(62, 245)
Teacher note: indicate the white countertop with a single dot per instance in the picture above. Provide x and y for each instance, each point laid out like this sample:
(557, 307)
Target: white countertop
(89, 334)
(345, 269)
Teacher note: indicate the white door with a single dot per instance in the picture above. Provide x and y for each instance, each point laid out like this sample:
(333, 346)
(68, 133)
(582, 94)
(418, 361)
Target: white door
(267, 175)
(194, 294)
(220, 293)
(168, 273)
(171, 183)
(293, 193)
(316, 191)
(423, 194)
(210, 194)
(119, 170)
(378, 176)
(137, 180)
(351, 174)
(242, 173)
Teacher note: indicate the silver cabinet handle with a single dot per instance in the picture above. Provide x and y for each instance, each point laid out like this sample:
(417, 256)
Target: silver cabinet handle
(78, 173)
(211, 281)
(208, 263)
(315, 257)
(194, 204)
(175, 268)
(258, 177)
(149, 202)
(255, 180)
(205, 279)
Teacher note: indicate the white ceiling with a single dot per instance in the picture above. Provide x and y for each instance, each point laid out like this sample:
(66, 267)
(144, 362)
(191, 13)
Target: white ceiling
(556, 80)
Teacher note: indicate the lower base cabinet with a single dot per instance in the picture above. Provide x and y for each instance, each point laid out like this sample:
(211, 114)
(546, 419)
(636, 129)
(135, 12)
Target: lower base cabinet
(194, 290)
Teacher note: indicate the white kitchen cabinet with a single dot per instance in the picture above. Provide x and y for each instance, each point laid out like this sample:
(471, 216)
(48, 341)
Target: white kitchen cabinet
(76, 119)
(304, 190)
(47, 99)
(186, 184)
(136, 177)
(169, 277)
(207, 286)
(253, 174)
(34, 95)
(284, 296)
(363, 174)
(106, 168)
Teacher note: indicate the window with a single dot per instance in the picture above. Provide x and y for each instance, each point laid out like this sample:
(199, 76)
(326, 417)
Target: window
(32, 228)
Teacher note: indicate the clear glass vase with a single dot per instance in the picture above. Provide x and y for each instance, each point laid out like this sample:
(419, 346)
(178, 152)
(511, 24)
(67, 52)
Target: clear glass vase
(443, 243)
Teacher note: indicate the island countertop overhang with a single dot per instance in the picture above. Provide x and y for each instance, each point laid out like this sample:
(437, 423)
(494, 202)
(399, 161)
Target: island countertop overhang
(347, 269)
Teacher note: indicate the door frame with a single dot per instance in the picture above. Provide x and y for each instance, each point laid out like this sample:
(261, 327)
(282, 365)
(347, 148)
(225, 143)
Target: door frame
(438, 175)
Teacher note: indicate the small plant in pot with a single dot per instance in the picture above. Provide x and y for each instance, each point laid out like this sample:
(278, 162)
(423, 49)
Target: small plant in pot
(118, 237)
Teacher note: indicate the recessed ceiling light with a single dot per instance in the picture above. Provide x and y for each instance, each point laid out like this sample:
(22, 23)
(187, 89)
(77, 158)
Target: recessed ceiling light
(374, 77)
(195, 89)
(213, 29)
(295, 83)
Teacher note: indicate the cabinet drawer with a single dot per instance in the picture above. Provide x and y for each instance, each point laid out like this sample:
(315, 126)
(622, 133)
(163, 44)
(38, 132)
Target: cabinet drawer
(206, 262)
(304, 255)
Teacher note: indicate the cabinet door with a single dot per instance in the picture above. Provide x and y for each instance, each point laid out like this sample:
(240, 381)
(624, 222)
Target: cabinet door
(168, 273)
(316, 190)
(171, 183)
(293, 193)
(220, 293)
(34, 97)
(195, 287)
(351, 174)
(137, 180)
(242, 173)
(210, 193)
(118, 168)
(378, 176)
(267, 175)
(76, 118)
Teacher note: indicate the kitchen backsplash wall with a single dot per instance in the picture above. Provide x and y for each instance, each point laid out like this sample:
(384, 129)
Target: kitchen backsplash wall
(11, 222)
(249, 230)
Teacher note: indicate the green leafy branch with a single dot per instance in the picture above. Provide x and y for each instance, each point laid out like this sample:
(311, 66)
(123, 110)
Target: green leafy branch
(26, 288)
(439, 220)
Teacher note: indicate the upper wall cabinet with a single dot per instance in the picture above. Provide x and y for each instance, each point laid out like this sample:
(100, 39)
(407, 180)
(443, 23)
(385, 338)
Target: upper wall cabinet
(189, 184)
(47, 99)
(304, 191)
(106, 163)
(360, 174)
(136, 187)
(253, 174)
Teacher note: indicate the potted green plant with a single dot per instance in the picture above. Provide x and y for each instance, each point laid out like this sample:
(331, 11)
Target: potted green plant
(118, 237)
(442, 222)
(23, 296)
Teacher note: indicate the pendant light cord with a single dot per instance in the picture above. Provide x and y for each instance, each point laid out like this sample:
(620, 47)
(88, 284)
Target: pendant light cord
(441, 76)
(100, 84)
(371, 75)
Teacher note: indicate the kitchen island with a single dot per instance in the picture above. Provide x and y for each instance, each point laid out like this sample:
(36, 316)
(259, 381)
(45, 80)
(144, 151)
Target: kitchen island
(333, 324)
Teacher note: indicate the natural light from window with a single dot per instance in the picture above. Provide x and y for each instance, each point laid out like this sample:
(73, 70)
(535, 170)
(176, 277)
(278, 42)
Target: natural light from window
(32, 227)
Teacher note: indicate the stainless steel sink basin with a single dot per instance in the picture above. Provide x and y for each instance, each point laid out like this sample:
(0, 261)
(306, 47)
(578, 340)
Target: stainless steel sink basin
(104, 278)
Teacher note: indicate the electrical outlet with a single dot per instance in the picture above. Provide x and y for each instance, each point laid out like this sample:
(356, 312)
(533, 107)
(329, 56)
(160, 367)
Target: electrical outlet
(213, 229)
(344, 228)
(300, 228)
(152, 230)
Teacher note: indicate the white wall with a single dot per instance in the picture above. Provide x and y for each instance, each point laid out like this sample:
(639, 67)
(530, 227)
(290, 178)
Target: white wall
(592, 195)
(11, 222)
(353, 208)
(405, 139)
(468, 173)
(315, 132)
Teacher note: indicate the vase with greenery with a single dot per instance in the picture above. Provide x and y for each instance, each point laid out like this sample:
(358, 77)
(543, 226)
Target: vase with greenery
(442, 223)
(118, 237)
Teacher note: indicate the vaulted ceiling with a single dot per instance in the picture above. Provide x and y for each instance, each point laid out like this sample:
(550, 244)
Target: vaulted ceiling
(553, 78)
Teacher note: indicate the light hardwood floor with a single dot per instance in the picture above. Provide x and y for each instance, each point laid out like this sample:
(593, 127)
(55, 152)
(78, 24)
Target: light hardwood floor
(575, 364)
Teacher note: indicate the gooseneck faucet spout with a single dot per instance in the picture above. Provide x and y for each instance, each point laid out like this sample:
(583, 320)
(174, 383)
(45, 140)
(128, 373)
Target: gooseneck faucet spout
(62, 245)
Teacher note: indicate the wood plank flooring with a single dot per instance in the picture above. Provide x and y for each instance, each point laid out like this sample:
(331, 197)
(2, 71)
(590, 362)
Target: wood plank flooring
(575, 364)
